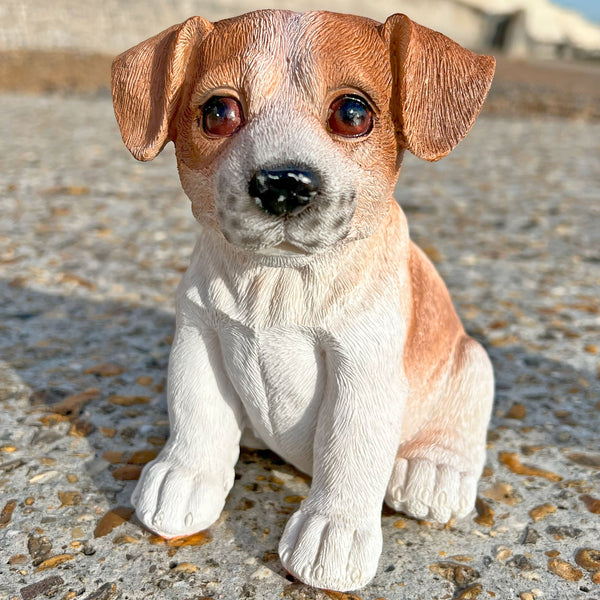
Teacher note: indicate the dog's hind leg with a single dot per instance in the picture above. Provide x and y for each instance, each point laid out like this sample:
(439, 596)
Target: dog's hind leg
(436, 471)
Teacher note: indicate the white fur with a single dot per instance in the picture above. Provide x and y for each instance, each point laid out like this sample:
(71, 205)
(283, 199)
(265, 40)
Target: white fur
(317, 378)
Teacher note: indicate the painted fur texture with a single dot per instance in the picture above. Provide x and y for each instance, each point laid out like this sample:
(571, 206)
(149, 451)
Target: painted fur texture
(308, 322)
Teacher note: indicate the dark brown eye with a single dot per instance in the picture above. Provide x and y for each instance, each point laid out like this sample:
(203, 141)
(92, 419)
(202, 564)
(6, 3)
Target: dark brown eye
(350, 116)
(222, 116)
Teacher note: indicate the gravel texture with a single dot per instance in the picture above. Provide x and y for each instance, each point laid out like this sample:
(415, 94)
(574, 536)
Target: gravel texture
(92, 245)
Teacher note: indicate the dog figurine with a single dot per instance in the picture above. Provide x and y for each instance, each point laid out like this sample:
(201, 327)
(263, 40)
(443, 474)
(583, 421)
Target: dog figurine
(308, 322)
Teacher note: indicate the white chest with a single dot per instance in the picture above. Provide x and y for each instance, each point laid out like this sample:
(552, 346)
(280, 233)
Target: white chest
(279, 376)
(275, 324)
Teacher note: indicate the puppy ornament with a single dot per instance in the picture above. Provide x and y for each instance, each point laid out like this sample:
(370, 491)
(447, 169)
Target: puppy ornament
(308, 322)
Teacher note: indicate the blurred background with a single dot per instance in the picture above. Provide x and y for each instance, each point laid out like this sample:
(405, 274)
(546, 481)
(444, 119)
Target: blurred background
(549, 52)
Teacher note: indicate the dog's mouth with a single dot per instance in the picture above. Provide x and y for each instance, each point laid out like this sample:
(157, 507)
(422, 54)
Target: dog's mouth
(283, 249)
(320, 225)
(284, 211)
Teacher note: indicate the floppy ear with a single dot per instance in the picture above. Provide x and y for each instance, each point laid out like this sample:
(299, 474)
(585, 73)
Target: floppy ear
(438, 87)
(146, 84)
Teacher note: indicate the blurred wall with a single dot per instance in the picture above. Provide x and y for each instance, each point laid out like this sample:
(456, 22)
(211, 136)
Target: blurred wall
(111, 26)
(533, 28)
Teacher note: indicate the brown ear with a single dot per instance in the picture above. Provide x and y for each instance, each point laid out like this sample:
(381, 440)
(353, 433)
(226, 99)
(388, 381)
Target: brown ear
(438, 87)
(146, 83)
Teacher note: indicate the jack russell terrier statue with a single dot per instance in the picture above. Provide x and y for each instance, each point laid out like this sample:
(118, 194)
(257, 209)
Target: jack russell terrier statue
(308, 322)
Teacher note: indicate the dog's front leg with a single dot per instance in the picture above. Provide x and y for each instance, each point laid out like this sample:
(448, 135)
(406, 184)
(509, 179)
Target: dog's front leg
(334, 540)
(184, 489)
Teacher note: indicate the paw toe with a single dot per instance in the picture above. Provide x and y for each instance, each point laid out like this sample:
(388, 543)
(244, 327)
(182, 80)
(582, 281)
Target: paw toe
(431, 491)
(394, 496)
(174, 501)
(466, 495)
(445, 497)
(330, 553)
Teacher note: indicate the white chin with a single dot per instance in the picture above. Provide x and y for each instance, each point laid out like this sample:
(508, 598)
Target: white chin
(282, 249)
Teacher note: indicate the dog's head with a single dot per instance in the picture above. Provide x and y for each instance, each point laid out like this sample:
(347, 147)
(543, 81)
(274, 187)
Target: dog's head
(289, 128)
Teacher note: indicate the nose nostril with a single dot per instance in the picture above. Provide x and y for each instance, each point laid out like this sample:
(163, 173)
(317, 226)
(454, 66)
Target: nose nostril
(258, 184)
(284, 191)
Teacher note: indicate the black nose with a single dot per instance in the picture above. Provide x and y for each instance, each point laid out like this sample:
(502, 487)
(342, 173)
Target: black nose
(283, 191)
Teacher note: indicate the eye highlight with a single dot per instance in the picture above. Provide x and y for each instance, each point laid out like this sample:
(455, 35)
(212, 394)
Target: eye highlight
(350, 116)
(222, 116)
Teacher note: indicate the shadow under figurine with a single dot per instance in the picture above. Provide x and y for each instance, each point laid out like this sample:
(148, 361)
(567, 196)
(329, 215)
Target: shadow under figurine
(308, 322)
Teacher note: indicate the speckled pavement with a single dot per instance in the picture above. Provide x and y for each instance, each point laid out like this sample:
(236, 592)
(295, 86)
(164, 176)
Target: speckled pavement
(92, 245)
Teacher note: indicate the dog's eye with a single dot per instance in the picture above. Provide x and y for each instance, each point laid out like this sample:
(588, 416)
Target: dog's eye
(222, 116)
(350, 116)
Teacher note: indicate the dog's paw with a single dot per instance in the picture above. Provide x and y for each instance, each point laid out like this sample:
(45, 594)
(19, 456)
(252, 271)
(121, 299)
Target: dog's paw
(423, 489)
(334, 553)
(172, 500)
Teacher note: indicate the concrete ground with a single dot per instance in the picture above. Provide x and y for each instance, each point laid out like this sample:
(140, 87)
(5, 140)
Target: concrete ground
(92, 245)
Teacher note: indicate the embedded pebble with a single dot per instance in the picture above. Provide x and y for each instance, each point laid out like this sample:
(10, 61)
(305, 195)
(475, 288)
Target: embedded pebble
(128, 400)
(329, 593)
(123, 538)
(81, 428)
(294, 499)
(197, 539)
(127, 472)
(503, 492)
(112, 519)
(142, 457)
(521, 562)
(469, 593)
(561, 532)
(565, 570)
(105, 370)
(591, 503)
(185, 567)
(503, 553)
(108, 591)
(72, 498)
(485, 513)
(6, 514)
(17, 559)
(113, 457)
(531, 536)
(47, 587)
(586, 460)
(459, 574)
(44, 477)
(516, 411)
(39, 547)
(73, 405)
(262, 573)
(512, 461)
(540, 512)
(54, 561)
(588, 558)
